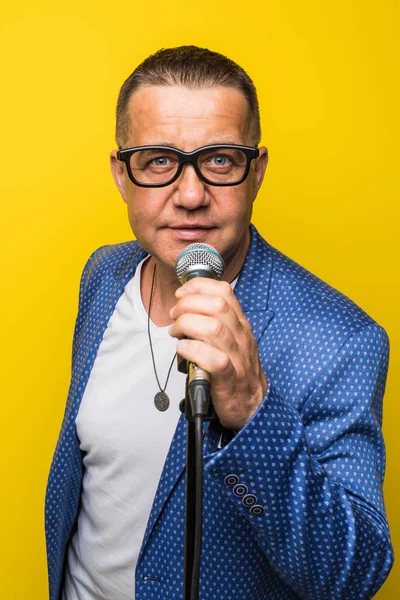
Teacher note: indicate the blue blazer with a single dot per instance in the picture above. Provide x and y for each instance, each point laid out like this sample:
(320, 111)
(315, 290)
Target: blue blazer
(293, 503)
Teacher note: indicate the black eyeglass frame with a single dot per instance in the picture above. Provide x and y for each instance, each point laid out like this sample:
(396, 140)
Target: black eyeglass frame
(188, 158)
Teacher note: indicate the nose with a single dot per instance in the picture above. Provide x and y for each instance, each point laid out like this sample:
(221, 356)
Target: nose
(191, 192)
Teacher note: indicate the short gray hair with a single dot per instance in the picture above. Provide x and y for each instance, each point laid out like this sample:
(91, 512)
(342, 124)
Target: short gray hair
(188, 66)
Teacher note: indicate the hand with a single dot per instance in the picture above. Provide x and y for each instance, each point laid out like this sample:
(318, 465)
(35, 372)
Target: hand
(221, 342)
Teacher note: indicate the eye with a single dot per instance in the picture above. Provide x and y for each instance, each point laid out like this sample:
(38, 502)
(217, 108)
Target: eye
(220, 160)
(161, 161)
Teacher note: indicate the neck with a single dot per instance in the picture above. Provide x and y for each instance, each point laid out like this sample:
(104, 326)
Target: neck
(234, 264)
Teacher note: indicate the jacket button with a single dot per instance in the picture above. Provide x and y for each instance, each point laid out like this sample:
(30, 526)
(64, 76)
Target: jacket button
(257, 510)
(248, 500)
(231, 480)
(240, 490)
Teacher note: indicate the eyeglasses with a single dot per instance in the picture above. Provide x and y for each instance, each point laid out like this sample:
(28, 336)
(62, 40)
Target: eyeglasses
(157, 166)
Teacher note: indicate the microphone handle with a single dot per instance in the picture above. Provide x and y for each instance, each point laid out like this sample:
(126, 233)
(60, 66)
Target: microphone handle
(183, 367)
(198, 378)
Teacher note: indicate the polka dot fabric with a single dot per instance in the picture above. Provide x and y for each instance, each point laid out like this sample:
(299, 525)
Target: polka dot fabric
(293, 503)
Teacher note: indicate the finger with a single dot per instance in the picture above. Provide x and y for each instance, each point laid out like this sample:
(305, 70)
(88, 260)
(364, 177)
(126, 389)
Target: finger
(211, 287)
(206, 329)
(212, 306)
(214, 361)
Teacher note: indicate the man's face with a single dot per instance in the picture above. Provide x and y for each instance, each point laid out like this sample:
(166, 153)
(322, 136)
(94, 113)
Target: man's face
(165, 220)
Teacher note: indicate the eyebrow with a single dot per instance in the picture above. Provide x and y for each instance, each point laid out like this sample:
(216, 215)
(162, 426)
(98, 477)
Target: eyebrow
(212, 143)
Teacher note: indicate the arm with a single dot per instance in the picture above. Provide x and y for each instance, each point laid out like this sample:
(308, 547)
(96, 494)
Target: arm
(315, 467)
(318, 473)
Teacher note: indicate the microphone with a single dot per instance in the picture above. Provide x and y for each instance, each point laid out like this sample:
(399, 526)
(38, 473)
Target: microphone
(198, 260)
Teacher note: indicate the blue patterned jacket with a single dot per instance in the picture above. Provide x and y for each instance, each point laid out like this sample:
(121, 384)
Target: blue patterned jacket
(293, 503)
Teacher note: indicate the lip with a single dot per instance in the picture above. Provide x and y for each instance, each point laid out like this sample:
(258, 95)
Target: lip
(190, 232)
(190, 226)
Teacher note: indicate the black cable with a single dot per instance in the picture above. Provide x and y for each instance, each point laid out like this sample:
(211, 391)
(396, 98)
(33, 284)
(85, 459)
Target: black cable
(190, 510)
(198, 424)
(150, 342)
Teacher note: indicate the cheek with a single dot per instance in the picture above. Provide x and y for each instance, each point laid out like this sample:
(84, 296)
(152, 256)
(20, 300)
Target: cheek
(144, 210)
(140, 205)
(235, 202)
(137, 215)
(132, 213)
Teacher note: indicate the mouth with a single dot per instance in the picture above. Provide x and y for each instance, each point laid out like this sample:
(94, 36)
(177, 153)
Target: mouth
(190, 232)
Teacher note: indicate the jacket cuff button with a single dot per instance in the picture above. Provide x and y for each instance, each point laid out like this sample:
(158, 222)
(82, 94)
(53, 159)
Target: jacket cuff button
(240, 490)
(257, 510)
(231, 480)
(249, 500)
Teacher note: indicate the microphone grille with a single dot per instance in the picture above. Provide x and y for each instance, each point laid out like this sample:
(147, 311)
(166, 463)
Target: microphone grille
(199, 254)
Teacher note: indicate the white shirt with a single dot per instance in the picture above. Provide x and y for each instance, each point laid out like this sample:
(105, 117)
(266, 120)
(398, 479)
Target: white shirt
(125, 440)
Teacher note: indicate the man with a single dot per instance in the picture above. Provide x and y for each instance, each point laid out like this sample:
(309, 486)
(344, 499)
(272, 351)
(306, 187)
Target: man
(293, 502)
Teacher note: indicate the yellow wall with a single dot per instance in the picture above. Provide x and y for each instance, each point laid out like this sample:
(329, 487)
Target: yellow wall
(327, 76)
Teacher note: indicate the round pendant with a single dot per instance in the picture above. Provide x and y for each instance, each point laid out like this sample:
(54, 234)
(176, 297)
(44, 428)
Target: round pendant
(161, 401)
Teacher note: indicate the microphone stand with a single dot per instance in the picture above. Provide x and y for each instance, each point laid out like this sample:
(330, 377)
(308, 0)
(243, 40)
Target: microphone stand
(198, 408)
(197, 260)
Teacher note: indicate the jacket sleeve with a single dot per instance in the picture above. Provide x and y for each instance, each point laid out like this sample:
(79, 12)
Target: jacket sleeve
(315, 471)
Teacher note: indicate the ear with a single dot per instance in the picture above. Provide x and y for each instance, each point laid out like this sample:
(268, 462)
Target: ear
(119, 173)
(259, 171)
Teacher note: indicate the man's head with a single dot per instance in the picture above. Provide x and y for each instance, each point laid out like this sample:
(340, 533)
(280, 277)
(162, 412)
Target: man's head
(191, 67)
(188, 107)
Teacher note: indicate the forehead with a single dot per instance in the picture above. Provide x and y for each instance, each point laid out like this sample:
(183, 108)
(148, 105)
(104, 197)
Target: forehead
(188, 118)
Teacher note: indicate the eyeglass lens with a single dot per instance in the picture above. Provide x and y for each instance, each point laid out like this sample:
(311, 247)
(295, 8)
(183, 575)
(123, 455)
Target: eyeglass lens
(223, 165)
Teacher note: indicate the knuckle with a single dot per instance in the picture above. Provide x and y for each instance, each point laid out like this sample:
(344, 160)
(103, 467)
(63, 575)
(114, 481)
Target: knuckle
(226, 288)
(216, 328)
(220, 304)
(223, 362)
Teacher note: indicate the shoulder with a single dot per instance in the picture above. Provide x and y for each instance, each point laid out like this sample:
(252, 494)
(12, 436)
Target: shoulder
(108, 268)
(305, 305)
(109, 259)
(295, 286)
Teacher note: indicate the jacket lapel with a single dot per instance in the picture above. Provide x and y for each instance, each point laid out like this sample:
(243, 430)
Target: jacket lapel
(259, 321)
(102, 301)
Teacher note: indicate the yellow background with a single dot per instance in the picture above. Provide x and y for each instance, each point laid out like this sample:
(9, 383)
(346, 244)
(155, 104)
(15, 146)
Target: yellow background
(327, 75)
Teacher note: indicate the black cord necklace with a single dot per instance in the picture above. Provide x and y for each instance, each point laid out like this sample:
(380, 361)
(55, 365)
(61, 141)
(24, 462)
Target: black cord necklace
(161, 399)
